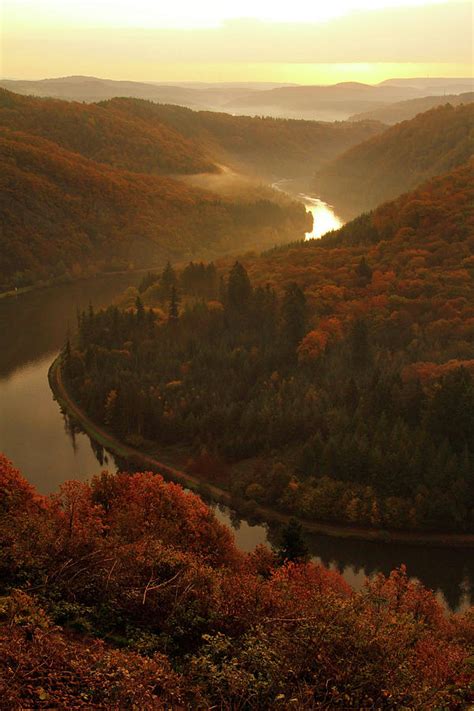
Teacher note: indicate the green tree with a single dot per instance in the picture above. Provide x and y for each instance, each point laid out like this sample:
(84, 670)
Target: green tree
(293, 315)
(168, 280)
(173, 309)
(239, 290)
(293, 546)
(363, 271)
(359, 343)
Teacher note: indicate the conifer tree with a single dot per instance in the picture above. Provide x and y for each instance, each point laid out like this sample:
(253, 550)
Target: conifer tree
(293, 312)
(239, 289)
(173, 310)
(364, 272)
(293, 546)
(168, 280)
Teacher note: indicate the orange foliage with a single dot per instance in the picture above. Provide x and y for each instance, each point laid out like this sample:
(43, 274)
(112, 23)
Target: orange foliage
(312, 345)
(162, 570)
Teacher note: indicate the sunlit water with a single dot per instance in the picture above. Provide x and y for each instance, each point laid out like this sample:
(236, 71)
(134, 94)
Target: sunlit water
(325, 218)
(41, 442)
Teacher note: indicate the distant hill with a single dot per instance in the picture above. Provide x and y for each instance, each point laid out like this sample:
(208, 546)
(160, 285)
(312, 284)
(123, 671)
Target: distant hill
(196, 95)
(337, 101)
(320, 103)
(398, 159)
(264, 146)
(143, 136)
(91, 89)
(404, 110)
(63, 215)
(433, 85)
(125, 142)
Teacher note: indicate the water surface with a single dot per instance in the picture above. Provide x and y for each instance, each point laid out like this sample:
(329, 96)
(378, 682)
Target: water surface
(325, 218)
(38, 439)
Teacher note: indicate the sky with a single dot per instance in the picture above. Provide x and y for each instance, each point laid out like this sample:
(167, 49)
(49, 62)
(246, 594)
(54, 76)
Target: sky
(302, 41)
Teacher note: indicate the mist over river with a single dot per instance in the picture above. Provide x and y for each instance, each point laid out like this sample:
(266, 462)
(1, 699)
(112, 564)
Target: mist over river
(41, 442)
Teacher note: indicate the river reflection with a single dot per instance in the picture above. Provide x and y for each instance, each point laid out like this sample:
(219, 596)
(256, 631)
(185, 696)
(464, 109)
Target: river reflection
(48, 448)
(324, 216)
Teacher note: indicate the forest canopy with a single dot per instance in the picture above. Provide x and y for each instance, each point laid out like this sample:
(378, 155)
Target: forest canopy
(64, 216)
(125, 591)
(398, 160)
(331, 379)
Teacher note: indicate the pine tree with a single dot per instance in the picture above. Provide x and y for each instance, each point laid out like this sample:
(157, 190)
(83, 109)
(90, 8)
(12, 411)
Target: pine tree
(140, 310)
(239, 290)
(293, 313)
(359, 340)
(363, 271)
(168, 280)
(293, 546)
(173, 310)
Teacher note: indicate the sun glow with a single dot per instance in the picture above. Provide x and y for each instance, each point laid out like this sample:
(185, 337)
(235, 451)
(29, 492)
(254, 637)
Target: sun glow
(184, 13)
(253, 40)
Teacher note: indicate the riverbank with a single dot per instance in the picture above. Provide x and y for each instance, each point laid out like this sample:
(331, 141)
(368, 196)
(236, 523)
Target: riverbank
(142, 460)
(63, 281)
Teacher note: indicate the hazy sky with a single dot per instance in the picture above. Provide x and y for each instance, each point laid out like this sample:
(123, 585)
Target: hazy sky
(301, 40)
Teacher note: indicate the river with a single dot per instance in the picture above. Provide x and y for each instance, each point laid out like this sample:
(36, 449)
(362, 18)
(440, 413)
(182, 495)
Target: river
(325, 218)
(36, 436)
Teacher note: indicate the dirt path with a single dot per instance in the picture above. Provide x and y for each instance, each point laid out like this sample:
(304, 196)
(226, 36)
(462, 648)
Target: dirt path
(100, 435)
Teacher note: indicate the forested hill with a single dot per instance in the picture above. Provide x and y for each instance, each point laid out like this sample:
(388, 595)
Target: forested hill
(63, 216)
(398, 160)
(442, 208)
(329, 379)
(263, 145)
(138, 135)
(405, 110)
(122, 141)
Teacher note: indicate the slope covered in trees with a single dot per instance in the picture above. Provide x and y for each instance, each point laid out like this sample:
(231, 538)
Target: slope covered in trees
(263, 145)
(331, 379)
(124, 142)
(405, 110)
(142, 136)
(65, 215)
(188, 621)
(398, 160)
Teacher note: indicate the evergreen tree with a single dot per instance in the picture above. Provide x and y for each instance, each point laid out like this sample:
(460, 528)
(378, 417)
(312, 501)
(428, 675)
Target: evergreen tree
(363, 271)
(239, 290)
(359, 341)
(168, 280)
(173, 309)
(140, 310)
(293, 313)
(293, 546)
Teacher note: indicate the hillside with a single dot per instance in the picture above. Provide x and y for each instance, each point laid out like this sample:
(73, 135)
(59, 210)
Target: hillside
(334, 102)
(122, 141)
(63, 215)
(262, 146)
(126, 592)
(330, 379)
(196, 95)
(405, 110)
(141, 136)
(398, 160)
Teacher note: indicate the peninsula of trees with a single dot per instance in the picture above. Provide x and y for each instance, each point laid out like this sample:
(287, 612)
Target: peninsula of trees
(331, 379)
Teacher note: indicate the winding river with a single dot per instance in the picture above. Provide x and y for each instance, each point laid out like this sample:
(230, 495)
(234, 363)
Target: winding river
(44, 445)
(36, 436)
(325, 218)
